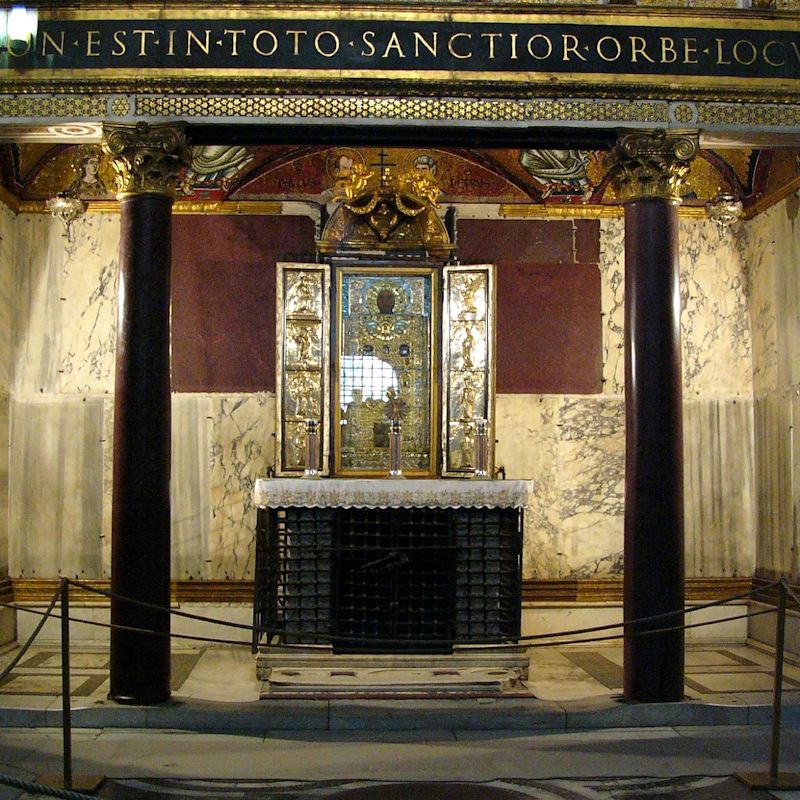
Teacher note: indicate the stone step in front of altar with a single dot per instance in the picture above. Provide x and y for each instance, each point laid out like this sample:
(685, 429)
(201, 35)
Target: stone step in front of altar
(317, 671)
(393, 681)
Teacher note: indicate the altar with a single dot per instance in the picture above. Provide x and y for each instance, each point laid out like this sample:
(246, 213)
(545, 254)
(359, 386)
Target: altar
(422, 571)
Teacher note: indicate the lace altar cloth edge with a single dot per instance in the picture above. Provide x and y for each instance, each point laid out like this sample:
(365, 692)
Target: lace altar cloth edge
(377, 493)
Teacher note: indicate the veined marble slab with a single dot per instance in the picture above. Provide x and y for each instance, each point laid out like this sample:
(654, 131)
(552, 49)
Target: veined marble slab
(775, 441)
(8, 255)
(242, 449)
(37, 307)
(189, 486)
(88, 297)
(763, 263)
(56, 488)
(715, 323)
(719, 490)
(612, 299)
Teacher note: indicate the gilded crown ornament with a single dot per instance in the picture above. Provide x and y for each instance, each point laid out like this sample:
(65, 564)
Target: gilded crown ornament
(385, 210)
(652, 163)
(147, 159)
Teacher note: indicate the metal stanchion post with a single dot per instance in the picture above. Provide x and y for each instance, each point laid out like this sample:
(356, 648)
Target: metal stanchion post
(775, 779)
(88, 784)
(66, 705)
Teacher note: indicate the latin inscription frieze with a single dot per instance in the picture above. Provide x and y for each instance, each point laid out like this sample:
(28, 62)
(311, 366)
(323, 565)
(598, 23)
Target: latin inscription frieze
(368, 47)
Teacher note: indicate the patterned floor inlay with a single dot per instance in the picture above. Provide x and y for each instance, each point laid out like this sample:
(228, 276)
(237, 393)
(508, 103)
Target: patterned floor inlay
(602, 669)
(40, 673)
(726, 683)
(691, 787)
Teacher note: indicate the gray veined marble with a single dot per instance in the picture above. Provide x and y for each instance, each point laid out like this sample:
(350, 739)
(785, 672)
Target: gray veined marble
(242, 449)
(8, 247)
(37, 305)
(56, 488)
(189, 486)
(719, 490)
(612, 298)
(89, 305)
(591, 470)
(715, 323)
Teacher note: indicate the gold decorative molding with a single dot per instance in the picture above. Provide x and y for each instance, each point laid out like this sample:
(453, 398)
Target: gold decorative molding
(652, 164)
(146, 158)
(25, 590)
(593, 590)
(251, 207)
(610, 590)
(566, 211)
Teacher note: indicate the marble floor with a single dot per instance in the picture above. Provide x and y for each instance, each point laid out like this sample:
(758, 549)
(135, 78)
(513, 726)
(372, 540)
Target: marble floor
(730, 675)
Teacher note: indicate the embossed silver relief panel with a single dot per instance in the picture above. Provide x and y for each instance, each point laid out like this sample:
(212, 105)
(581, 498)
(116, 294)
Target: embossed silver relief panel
(467, 365)
(303, 327)
(385, 370)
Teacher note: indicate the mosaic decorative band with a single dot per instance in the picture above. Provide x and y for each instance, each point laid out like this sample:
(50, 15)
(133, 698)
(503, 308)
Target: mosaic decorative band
(51, 109)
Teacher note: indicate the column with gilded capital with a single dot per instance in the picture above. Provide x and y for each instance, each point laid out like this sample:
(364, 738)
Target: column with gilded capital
(648, 168)
(147, 160)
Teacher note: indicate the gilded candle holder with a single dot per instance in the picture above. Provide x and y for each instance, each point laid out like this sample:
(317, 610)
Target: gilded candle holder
(481, 449)
(312, 449)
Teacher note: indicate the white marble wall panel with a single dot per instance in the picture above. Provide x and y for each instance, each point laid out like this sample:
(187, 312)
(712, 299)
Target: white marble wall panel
(787, 290)
(37, 305)
(715, 323)
(789, 544)
(773, 463)
(591, 480)
(56, 500)
(612, 299)
(526, 429)
(7, 259)
(65, 301)
(719, 491)
(108, 483)
(242, 449)
(88, 303)
(572, 448)
(189, 486)
(762, 252)
(4, 464)
(8, 254)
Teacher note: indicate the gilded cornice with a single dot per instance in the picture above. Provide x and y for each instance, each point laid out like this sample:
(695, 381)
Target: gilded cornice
(652, 164)
(147, 159)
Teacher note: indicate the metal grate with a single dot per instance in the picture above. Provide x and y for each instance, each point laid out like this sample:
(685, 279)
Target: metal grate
(389, 580)
(394, 580)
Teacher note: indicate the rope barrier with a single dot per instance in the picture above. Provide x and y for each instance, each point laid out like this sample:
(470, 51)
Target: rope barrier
(39, 788)
(555, 639)
(24, 649)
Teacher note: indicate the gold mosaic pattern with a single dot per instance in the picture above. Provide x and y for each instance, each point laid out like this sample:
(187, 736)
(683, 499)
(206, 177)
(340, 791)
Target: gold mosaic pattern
(327, 107)
(121, 106)
(737, 115)
(597, 110)
(743, 115)
(684, 113)
(404, 108)
(43, 106)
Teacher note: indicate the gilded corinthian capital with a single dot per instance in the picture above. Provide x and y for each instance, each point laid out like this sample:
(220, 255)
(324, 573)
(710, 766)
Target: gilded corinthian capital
(652, 163)
(146, 158)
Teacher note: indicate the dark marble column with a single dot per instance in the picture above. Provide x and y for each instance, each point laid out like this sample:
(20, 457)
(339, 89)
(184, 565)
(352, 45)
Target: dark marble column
(147, 161)
(647, 169)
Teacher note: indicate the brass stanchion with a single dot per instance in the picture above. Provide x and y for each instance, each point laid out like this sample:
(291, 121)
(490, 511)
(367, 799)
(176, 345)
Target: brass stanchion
(774, 779)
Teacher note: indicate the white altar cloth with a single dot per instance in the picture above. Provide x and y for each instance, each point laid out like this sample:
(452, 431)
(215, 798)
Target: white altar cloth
(377, 493)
